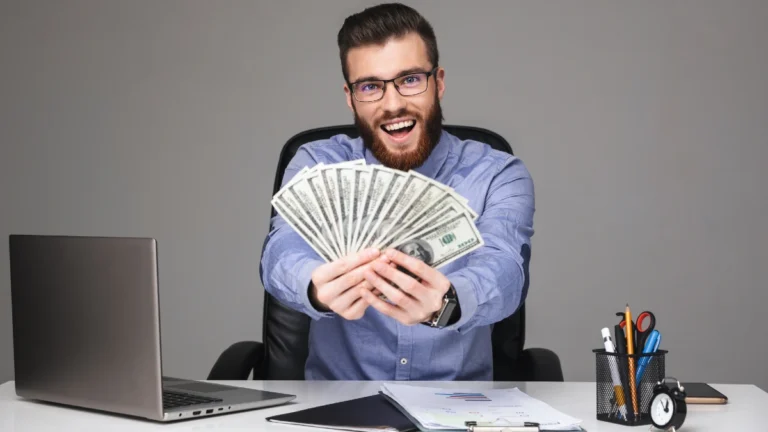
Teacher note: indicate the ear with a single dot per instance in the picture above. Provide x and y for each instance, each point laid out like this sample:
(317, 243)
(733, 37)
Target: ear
(440, 81)
(348, 94)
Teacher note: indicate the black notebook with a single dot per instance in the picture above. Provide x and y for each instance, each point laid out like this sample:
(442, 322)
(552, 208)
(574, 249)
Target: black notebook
(370, 413)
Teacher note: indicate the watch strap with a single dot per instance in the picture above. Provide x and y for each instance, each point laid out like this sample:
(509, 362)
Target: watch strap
(449, 312)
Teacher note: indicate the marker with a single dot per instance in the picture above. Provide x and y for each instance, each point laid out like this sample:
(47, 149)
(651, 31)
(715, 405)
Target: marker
(617, 388)
(651, 345)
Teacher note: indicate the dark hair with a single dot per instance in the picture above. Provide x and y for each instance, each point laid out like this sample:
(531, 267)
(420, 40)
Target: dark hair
(377, 24)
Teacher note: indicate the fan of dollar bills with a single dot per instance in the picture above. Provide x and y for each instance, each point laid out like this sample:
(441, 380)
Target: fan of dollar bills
(346, 207)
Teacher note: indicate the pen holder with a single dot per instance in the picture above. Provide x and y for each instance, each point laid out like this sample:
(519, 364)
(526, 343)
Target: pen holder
(614, 385)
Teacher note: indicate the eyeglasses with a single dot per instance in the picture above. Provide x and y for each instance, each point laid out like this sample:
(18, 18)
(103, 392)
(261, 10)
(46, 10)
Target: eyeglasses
(407, 85)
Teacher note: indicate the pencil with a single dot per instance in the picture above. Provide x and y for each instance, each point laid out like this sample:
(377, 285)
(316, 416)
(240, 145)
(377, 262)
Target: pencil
(631, 351)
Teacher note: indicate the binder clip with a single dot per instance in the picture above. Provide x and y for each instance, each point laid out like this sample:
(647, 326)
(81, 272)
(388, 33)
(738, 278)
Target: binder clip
(473, 426)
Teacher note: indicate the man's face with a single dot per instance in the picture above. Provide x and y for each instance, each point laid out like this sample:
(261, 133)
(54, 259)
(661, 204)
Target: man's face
(408, 147)
(414, 250)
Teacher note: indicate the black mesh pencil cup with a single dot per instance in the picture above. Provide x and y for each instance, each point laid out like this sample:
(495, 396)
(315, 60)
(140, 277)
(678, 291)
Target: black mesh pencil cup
(618, 401)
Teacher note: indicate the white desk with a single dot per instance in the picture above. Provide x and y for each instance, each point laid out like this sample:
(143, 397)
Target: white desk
(746, 410)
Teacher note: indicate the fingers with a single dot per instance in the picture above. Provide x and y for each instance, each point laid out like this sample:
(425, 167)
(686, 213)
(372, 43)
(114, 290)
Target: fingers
(416, 266)
(342, 302)
(356, 310)
(340, 285)
(330, 271)
(387, 309)
(395, 295)
(402, 280)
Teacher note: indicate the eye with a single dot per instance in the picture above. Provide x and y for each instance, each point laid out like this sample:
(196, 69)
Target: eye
(368, 87)
(411, 79)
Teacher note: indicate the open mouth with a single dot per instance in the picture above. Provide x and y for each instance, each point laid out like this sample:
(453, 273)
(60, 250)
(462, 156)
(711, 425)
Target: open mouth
(399, 130)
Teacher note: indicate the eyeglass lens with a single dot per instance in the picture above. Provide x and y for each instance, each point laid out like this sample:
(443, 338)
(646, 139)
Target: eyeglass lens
(407, 85)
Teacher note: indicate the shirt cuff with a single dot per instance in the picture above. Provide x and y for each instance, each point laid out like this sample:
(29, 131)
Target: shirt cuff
(467, 301)
(303, 279)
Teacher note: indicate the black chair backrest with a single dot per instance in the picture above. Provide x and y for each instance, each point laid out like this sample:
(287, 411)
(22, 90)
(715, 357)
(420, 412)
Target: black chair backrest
(285, 331)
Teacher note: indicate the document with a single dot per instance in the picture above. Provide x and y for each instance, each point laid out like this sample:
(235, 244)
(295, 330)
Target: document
(450, 408)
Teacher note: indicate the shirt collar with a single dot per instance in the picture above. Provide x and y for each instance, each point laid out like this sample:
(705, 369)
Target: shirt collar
(431, 167)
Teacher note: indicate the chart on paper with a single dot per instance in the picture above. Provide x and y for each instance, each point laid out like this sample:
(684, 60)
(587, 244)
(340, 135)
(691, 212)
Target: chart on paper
(449, 409)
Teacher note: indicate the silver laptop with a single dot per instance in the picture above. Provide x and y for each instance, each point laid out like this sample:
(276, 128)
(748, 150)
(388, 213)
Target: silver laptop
(86, 332)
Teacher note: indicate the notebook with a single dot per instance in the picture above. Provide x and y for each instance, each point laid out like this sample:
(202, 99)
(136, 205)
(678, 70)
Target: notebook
(366, 414)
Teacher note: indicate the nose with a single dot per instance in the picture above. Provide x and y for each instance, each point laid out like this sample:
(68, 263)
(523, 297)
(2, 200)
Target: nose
(392, 101)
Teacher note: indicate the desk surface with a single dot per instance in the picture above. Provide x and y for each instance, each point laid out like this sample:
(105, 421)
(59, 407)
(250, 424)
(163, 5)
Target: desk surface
(744, 412)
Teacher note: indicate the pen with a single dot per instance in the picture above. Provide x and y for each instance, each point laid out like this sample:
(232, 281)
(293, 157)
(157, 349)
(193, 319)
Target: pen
(617, 387)
(631, 352)
(621, 348)
(651, 345)
(490, 427)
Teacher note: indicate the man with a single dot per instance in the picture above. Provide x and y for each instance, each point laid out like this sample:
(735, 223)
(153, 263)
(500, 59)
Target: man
(394, 86)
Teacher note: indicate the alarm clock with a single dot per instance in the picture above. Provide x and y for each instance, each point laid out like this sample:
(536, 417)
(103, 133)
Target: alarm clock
(668, 408)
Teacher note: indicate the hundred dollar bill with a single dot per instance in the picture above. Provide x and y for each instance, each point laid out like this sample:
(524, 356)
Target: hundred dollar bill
(362, 177)
(412, 187)
(382, 212)
(329, 217)
(345, 181)
(289, 202)
(443, 243)
(309, 236)
(378, 183)
(301, 192)
(428, 192)
(330, 186)
(415, 227)
(419, 220)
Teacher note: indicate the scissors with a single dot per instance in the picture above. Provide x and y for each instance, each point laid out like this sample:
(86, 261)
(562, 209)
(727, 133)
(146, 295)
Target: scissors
(640, 335)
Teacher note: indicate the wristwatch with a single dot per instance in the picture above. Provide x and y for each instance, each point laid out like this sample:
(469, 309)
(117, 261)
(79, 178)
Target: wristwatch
(449, 313)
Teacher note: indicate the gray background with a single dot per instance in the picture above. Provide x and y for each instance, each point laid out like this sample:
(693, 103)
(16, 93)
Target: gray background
(644, 125)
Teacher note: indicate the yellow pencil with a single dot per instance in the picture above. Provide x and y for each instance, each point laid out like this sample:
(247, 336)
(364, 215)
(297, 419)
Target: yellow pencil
(631, 350)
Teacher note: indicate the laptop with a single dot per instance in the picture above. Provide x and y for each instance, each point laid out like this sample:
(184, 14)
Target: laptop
(86, 332)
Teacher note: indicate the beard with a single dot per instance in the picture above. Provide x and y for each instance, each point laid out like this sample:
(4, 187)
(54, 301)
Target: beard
(431, 128)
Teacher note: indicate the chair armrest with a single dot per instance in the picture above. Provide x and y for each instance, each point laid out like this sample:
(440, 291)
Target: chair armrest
(541, 364)
(237, 362)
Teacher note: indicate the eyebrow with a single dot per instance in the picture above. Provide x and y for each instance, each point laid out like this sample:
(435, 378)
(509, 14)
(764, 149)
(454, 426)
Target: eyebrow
(399, 74)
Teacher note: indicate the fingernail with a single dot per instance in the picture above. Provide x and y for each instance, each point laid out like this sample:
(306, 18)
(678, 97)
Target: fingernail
(372, 252)
(384, 258)
(390, 253)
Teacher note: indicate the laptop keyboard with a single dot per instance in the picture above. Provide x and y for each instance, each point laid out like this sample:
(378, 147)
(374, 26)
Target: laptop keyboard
(173, 399)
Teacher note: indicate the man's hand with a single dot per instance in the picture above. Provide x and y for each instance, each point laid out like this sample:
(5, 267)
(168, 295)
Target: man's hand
(336, 286)
(416, 300)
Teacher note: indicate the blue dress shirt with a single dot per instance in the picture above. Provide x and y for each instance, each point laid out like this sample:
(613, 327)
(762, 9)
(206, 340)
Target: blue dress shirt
(490, 281)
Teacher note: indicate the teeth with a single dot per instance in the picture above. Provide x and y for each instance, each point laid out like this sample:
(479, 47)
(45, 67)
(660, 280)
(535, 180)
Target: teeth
(400, 125)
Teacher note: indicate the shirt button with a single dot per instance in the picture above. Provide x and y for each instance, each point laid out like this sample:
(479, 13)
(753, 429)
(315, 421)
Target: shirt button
(403, 360)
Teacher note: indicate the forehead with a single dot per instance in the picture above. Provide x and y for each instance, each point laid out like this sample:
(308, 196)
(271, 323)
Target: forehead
(388, 60)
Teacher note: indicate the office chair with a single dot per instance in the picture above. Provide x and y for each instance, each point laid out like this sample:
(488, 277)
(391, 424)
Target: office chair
(284, 350)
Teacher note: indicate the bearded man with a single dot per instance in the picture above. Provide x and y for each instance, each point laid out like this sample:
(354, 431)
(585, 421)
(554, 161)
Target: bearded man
(393, 86)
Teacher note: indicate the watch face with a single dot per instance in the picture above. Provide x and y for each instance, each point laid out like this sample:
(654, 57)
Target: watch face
(662, 409)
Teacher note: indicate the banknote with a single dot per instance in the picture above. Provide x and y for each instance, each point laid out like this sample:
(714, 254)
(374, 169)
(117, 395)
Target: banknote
(342, 208)
(443, 243)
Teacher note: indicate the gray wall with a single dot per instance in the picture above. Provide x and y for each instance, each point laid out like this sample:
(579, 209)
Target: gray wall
(644, 124)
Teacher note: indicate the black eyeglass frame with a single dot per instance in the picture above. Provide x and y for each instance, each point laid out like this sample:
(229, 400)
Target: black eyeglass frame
(430, 73)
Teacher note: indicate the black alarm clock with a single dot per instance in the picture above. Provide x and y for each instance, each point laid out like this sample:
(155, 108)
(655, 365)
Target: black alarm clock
(668, 408)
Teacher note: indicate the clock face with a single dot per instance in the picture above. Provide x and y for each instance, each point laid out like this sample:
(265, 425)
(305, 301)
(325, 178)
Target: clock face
(662, 409)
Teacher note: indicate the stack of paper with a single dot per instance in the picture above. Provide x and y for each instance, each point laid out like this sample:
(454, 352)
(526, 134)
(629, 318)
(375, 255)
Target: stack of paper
(450, 409)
